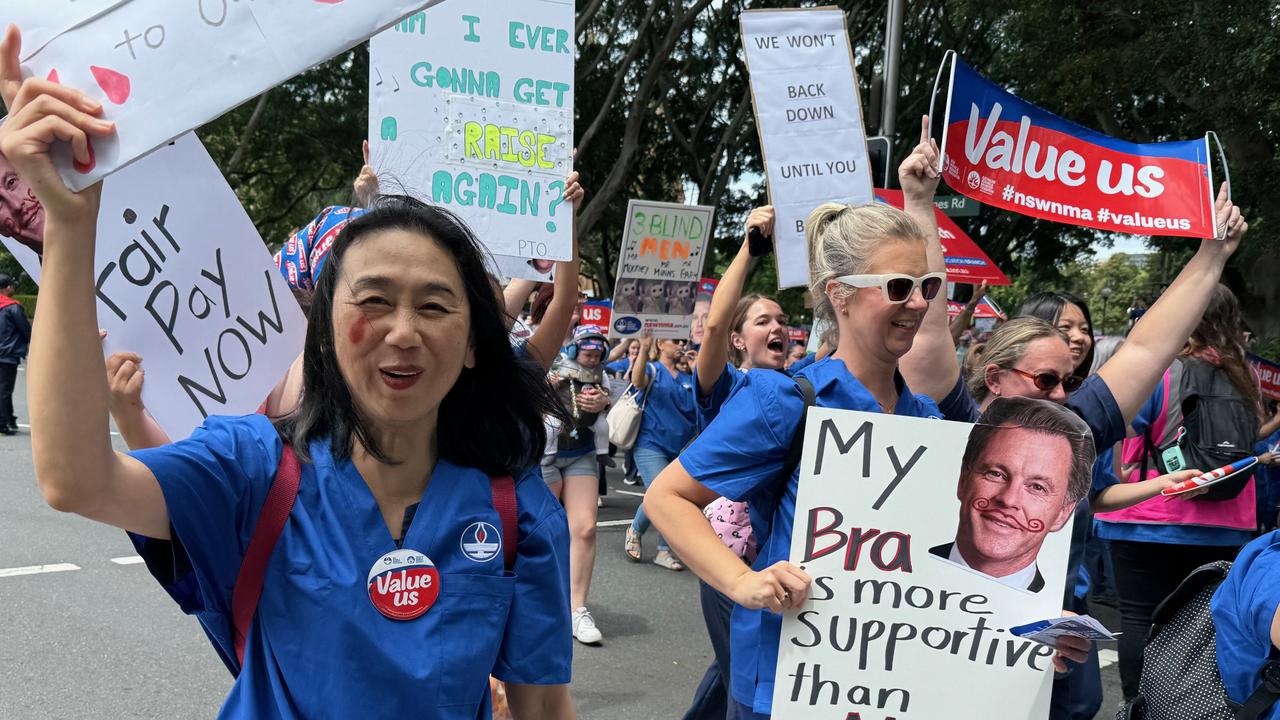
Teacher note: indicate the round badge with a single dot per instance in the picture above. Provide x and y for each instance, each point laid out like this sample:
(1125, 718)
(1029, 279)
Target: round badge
(403, 584)
(481, 542)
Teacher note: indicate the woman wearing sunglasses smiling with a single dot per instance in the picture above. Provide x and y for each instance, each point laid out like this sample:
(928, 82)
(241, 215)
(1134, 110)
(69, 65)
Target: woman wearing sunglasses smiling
(870, 279)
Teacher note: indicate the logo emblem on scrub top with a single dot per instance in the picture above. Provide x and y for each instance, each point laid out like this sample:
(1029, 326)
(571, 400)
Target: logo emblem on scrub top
(481, 542)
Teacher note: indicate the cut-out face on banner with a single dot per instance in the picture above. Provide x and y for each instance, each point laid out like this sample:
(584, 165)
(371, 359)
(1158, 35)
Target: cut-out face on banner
(21, 216)
(1020, 480)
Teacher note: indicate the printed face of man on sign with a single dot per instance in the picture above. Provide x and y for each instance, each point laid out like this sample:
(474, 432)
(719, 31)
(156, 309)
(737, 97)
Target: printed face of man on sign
(21, 216)
(1026, 466)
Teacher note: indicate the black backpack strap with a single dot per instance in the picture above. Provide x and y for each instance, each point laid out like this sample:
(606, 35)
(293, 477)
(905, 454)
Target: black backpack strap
(796, 449)
(1266, 694)
(797, 441)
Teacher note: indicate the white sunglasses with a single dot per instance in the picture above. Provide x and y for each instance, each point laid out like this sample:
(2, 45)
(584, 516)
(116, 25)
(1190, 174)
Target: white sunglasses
(898, 288)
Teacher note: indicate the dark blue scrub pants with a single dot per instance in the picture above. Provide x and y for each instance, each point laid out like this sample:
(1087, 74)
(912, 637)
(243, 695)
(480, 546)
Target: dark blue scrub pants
(713, 700)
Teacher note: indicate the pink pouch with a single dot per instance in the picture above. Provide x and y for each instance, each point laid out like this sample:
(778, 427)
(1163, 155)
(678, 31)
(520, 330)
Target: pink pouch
(732, 523)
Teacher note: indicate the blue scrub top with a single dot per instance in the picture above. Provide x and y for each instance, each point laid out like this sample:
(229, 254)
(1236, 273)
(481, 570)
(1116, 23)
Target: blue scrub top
(1243, 609)
(740, 456)
(707, 407)
(619, 367)
(802, 363)
(317, 646)
(667, 424)
(1154, 533)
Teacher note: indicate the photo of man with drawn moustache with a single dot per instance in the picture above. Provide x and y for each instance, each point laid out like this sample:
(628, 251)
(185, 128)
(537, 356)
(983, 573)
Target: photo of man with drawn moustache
(1026, 466)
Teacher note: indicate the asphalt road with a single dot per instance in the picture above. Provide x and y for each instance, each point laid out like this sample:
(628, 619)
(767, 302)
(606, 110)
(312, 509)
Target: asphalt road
(99, 639)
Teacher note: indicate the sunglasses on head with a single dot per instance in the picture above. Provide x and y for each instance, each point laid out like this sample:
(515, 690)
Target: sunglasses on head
(898, 288)
(1047, 381)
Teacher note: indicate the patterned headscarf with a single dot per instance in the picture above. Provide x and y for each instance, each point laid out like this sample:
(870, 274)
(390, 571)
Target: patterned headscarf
(303, 255)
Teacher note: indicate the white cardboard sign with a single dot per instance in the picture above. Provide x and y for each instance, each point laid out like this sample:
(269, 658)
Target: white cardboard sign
(659, 264)
(185, 281)
(162, 67)
(809, 116)
(471, 108)
(893, 628)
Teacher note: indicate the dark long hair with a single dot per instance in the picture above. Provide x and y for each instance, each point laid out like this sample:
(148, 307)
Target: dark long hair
(1048, 307)
(492, 417)
(1220, 328)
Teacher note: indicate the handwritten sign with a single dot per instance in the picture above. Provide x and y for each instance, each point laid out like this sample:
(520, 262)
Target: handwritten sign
(185, 281)
(471, 108)
(878, 515)
(809, 116)
(143, 58)
(1006, 152)
(41, 22)
(659, 267)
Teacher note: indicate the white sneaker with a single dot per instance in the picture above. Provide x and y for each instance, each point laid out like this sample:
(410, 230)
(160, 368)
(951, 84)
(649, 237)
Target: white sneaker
(584, 627)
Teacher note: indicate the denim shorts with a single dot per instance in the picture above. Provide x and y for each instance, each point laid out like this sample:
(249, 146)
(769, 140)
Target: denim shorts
(556, 469)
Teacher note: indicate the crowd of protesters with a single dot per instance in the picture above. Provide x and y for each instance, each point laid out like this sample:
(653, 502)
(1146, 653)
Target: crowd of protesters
(430, 402)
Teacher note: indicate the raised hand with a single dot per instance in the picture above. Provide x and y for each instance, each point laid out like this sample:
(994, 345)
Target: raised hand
(366, 184)
(1228, 221)
(124, 378)
(918, 174)
(42, 113)
(573, 192)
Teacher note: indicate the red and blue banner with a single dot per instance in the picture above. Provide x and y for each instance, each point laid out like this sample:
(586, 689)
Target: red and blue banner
(966, 263)
(1268, 376)
(597, 312)
(1006, 152)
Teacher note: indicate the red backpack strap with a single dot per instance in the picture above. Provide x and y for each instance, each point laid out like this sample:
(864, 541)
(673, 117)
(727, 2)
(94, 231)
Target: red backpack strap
(275, 511)
(504, 501)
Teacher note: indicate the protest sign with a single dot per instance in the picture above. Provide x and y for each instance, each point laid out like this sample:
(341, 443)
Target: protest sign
(809, 116)
(896, 626)
(142, 58)
(184, 280)
(1268, 376)
(42, 21)
(966, 262)
(471, 108)
(1006, 152)
(659, 267)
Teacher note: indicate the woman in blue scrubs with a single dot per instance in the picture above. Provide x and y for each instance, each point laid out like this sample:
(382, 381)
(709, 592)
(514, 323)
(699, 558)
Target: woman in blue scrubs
(853, 251)
(741, 333)
(362, 605)
(665, 428)
(1246, 616)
